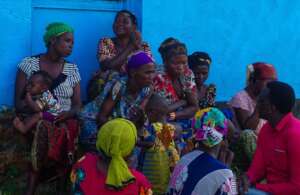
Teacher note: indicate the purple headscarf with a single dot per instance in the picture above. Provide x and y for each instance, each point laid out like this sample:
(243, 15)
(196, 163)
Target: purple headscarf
(138, 59)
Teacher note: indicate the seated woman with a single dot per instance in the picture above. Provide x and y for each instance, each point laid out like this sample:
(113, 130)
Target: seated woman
(107, 172)
(244, 105)
(124, 97)
(199, 63)
(199, 172)
(114, 52)
(177, 85)
(66, 87)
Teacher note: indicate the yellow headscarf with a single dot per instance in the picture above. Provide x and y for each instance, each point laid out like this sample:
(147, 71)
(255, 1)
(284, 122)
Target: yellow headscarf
(116, 139)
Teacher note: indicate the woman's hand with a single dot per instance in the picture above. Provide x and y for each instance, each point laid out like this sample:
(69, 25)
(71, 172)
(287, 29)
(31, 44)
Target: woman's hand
(136, 39)
(243, 184)
(63, 116)
(173, 107)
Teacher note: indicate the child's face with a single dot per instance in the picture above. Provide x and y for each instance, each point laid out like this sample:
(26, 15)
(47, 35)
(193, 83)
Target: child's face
(35, 85)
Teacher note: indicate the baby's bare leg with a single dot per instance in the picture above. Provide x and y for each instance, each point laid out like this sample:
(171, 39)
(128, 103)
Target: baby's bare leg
(28, 123)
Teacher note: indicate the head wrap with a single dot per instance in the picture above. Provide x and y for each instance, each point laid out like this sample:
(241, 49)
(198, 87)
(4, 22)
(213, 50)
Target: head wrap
(210, 126)
(116, 140)
(56, 29)
(199, 59)
(261, 70)
(138, 59)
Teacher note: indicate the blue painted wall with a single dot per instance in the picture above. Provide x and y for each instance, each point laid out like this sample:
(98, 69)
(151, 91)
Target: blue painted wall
(24, 22)
(15, 22)
(234, 32)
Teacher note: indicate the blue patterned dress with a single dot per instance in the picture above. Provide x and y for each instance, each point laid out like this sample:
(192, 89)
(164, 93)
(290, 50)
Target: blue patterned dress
(123, 108)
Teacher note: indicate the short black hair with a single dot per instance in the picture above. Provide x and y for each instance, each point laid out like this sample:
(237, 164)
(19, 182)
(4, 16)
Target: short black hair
(131, 15)
(157, 102)
(46, 78)
(282, 96)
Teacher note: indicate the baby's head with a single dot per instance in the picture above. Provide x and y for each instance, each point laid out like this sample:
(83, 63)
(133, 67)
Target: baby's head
(157, 108)
(39, 82)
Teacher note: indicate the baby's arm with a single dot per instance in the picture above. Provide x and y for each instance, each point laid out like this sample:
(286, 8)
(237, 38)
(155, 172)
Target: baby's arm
(35, 106)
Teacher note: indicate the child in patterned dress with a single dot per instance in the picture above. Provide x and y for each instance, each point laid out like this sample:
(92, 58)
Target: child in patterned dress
(40, 101)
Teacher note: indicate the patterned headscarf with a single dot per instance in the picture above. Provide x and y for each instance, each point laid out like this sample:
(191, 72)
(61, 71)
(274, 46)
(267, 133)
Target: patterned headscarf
(56, 29)
(210, 126)
(261, 70)
(138, 59)
(116, 140)
(199, 59)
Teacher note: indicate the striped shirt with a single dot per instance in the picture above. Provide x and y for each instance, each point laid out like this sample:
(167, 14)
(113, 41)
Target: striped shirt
(64, 91)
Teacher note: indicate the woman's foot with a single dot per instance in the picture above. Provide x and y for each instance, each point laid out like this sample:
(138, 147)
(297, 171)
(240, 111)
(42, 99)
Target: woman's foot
(19, 125)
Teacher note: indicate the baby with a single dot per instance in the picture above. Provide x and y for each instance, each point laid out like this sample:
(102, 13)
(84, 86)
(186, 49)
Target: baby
(40, 102)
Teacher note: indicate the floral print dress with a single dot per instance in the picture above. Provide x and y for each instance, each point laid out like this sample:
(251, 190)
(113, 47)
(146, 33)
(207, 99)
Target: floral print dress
(107, 50)
(125, 107)
(164, 87)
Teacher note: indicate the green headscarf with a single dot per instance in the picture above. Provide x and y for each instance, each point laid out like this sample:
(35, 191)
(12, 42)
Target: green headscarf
(116, 139)
(56, 29)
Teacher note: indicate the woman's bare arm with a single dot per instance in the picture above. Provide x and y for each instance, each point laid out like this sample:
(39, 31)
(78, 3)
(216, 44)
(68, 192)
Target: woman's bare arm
(106, 110)
(19, 91)
(246, 119)
(190, 109)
